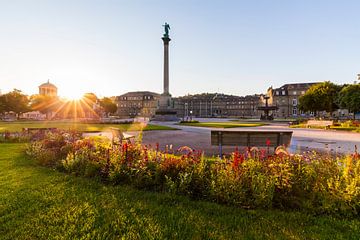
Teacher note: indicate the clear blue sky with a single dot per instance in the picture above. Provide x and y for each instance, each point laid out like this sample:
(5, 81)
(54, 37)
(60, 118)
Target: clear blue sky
(235, 47)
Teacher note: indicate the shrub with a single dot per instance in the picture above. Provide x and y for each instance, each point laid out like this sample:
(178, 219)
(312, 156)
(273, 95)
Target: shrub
(311, 182)
(53, 147)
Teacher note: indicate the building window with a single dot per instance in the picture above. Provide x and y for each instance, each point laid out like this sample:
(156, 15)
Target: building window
(283, 92)
(294, 102)
(294, 93)
(294, 111)
(277, 93)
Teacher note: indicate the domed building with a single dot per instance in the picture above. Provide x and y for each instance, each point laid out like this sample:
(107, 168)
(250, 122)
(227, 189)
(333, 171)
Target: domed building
(48, 89)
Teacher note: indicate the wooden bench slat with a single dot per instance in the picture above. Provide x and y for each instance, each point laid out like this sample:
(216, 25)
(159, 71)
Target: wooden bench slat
(251, 138)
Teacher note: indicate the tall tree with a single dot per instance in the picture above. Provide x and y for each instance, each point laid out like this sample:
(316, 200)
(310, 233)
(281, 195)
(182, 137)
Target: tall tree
(16, 102)
(320, 97)
(44, 104)
(2, 105)
(89, 106)
(108, 105)
(349, 97)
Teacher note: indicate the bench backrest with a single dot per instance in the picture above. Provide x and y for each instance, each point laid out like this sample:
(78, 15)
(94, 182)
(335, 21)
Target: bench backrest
(320, 123)
(116, 134)
(251, 138)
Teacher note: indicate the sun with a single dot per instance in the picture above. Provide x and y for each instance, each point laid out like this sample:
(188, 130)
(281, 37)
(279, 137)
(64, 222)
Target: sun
(73, 95)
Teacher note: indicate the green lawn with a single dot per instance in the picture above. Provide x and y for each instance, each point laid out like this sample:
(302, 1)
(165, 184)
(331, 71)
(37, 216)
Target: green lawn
(84, 127)
(41, 203)
(338, 128)
(222, 124)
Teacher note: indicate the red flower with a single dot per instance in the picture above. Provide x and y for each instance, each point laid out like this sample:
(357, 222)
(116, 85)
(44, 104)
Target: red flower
(238, 159)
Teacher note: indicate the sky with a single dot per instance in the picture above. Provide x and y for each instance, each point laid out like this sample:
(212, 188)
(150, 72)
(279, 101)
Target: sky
(235, 47)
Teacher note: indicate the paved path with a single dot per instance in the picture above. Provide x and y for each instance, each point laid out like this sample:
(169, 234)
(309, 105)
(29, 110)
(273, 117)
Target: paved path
(302, 140)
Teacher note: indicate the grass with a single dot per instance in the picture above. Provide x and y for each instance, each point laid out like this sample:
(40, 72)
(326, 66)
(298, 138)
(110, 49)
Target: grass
(41, 203)
(83, 127)
(222, 124)
(338, 128)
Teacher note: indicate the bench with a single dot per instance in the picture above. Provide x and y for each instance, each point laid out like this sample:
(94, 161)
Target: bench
(36, 133)
(319, 123)
(254, 138)
(28, 130)
(118, 136)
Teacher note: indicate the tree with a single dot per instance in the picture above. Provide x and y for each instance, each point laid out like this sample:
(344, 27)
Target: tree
(16, 102)
(349, 98)
(44, 104)
(108, 105)
(2, 105)
(320, 97)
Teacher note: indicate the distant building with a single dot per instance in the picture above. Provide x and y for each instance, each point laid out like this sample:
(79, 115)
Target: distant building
(286, 98)
(48, 89)
(217, 105)
(137, 104)
(45, 89)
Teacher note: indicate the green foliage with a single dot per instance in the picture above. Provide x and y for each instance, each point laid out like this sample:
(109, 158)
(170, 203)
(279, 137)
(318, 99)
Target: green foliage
(320, 97)
(220, 124)
(190, 121)
(17, 137)
(108, 105)
(39, 203)
(349, 97)
(53, 147)
(310, 182)
(14, 101)
(44, 104)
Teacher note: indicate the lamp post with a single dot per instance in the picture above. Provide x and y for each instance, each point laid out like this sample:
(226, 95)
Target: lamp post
(186, 111)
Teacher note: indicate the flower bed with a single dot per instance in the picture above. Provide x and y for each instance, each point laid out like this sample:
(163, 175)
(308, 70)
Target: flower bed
(311, 182)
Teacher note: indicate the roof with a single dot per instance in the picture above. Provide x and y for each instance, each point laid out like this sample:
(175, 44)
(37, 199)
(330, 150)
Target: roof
(296, 85)
(47, 85)
(139, 93)
(214, 96)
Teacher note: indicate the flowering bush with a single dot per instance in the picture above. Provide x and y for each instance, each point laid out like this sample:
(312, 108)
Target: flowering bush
(253, 179)
(13, 137)
(53, 147)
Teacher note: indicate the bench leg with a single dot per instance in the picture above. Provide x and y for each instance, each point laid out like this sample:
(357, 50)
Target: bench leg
(220, 150)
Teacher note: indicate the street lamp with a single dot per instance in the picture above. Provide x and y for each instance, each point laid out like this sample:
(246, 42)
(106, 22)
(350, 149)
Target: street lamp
(185, 111)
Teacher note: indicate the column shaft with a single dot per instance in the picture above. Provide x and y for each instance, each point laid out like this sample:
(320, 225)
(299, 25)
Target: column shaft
(166, 68)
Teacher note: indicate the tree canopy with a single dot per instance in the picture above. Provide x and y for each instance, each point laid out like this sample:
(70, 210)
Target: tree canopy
(349, 97)
(14, 101)
(44, 104)
(320, 97)
(108, 105)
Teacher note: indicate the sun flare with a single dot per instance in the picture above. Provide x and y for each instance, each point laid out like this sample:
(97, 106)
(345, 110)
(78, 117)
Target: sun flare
(73, 95)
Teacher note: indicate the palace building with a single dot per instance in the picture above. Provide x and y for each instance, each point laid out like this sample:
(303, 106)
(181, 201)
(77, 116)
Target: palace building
(217, 105)
(286, 98)
(137, 104)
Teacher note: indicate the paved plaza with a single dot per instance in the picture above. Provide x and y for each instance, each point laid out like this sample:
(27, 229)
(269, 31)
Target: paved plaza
(302, 140)
(198, 138)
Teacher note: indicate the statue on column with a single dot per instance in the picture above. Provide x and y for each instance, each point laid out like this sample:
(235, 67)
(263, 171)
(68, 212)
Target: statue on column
(166, 28)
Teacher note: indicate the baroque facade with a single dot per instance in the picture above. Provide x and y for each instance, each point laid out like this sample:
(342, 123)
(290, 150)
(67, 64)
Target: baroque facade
(217, 105)
(137, 104)
(286, 98)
